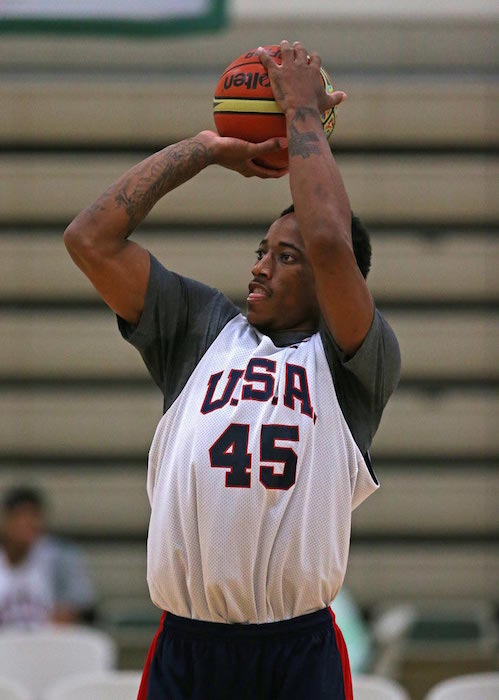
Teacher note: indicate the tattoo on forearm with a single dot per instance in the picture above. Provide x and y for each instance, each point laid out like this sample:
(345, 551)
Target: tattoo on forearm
(303, 112)
(178, 164)
(303, 143)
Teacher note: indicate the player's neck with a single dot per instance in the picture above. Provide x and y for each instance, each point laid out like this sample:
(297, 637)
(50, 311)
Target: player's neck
(281, 338)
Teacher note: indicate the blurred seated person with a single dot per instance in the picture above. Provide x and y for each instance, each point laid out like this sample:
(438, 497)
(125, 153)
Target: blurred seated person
(42, 578)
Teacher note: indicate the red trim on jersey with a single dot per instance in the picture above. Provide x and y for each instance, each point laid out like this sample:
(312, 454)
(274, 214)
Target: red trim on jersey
(144, 682)
(345, 662)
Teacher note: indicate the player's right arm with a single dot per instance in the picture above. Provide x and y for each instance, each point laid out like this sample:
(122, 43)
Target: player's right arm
(98, 238)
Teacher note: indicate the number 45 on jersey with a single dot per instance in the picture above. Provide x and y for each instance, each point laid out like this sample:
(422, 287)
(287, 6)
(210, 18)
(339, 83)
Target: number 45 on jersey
(230, 452)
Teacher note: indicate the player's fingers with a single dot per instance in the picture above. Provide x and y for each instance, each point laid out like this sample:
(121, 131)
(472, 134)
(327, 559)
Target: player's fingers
(263, 56)
(315, 59)
(301, 55)
(260, 170)
(337, 97)
(327, 102)
(268, 146)
(287, 51)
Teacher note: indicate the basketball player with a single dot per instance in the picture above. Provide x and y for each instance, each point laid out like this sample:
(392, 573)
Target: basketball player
(262, 451)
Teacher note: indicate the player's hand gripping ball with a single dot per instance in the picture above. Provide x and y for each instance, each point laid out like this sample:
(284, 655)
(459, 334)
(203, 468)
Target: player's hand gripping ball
(244, 105)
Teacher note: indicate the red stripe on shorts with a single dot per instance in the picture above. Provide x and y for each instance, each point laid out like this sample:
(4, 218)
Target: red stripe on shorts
(345, 662)
(144, 682)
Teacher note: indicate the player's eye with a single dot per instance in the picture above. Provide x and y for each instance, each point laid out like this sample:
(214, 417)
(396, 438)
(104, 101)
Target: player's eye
(259, 254)
(287, 257)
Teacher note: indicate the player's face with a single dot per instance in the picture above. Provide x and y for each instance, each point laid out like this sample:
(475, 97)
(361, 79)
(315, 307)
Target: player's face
(282, 291)
(22, 526)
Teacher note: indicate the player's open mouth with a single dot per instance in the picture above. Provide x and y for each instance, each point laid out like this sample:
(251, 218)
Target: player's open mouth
(257, 291)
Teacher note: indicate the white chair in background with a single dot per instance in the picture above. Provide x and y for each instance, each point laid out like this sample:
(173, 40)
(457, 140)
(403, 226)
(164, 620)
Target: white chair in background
(10, 690)
(477, 686)
(368, 687)
(36, 658)
(103, 685)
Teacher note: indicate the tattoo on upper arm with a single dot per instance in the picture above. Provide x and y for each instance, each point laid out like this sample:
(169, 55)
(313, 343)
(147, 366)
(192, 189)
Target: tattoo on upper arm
(180, 162)
(95, 208)
(303, 143)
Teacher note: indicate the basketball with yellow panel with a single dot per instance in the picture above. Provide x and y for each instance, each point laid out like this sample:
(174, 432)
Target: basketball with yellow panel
(244, 106)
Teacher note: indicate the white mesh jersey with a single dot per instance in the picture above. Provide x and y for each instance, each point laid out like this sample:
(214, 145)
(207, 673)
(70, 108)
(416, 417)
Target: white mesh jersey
(253, 474)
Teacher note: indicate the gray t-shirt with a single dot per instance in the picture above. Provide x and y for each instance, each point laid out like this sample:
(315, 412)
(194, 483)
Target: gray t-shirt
(181, 319)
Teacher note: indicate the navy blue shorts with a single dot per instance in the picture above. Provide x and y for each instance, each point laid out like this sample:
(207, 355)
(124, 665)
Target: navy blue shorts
(300, 659)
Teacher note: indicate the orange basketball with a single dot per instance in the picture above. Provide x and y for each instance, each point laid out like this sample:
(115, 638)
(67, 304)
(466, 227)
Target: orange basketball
(244, 105)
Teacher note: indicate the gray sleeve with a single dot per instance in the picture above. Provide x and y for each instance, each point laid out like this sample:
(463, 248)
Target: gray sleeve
(365, 382)
(72, 581)
(180, 320)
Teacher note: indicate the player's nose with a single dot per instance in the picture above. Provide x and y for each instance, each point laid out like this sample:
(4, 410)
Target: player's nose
(263, 266)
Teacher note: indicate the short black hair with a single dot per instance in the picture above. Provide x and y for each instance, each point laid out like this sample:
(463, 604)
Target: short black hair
(22, 496)
(361, 242)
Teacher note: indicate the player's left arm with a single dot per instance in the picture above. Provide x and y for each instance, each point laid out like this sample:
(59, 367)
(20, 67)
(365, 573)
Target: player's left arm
(321, 202)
